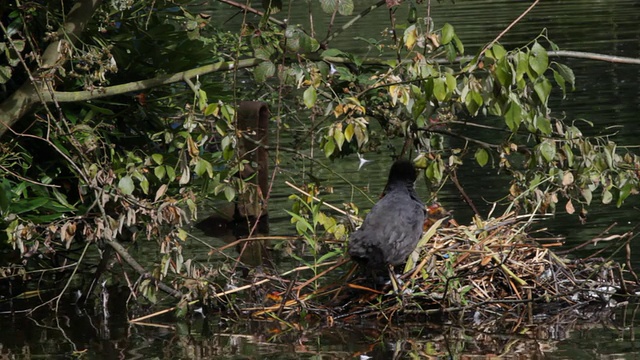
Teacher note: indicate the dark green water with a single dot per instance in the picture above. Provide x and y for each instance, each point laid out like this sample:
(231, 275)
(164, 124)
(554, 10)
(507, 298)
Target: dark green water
(606, 93)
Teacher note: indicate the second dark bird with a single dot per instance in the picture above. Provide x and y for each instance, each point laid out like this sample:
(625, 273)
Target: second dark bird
(394, 225)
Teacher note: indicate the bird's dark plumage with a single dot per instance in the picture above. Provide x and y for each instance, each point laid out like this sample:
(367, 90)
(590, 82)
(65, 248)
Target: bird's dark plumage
(392, 229)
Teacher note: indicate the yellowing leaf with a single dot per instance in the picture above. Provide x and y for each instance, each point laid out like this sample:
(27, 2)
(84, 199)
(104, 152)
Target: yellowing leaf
(410, 37)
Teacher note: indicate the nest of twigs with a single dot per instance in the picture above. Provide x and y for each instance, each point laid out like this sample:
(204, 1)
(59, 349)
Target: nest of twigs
(485, 271)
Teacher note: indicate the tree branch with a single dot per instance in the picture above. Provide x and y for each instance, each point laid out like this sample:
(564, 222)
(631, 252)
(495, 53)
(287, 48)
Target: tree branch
(124, 254)
(23, 99)
(9, 115)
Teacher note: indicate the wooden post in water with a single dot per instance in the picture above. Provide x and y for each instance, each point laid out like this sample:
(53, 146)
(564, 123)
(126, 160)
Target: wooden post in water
(253, 124)
(250, 214)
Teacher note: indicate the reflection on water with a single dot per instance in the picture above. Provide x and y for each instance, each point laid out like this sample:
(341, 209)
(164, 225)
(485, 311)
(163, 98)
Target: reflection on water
(605, 94)
(77, 333)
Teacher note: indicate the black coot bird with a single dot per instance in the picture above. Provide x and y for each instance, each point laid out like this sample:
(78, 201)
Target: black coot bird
(392, 229)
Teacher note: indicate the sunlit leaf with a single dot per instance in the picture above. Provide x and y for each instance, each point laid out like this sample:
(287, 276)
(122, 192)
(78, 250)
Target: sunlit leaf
(157, 158)
(126, 185)
(447, 34)
(498, 51)
(229, 193)
(349, 131)
(607, 196)
(473, 102)
(410, 37)
(309, 97)
(548, 150)
(144, 185)
(482, 156)
(338, 136)
(522, 65)
(439, 89)
(538, 59)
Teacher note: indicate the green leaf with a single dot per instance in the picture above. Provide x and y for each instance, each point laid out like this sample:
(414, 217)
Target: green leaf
(566, 73)
(302, 225)
(538, 59)
(202, 99)
(548, 150)
(263, 71)
(498, 51)
(625, 191)
(607, 196)
(328, 6)
(144, 184)
(439, 89)
(62, 199)
(338, 136)
(157, 158)
(171, 172)
(19, 45)
(345, 7)
(473, 101)
(513, 116)
(27, 205)
(332, 53)
(203, 166)
(543, 89)
(229, 193)
(159, 172)
(452, 84)
(263, 51)
(522, 65)
(5, 74)
(543, 124)
(447, 34)
(126, 185)
(458, 44)
(329, 147)
(503, 72)
(482, 157)
(561, 82)
(434, 171)
(5, 196)
(309, 97)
